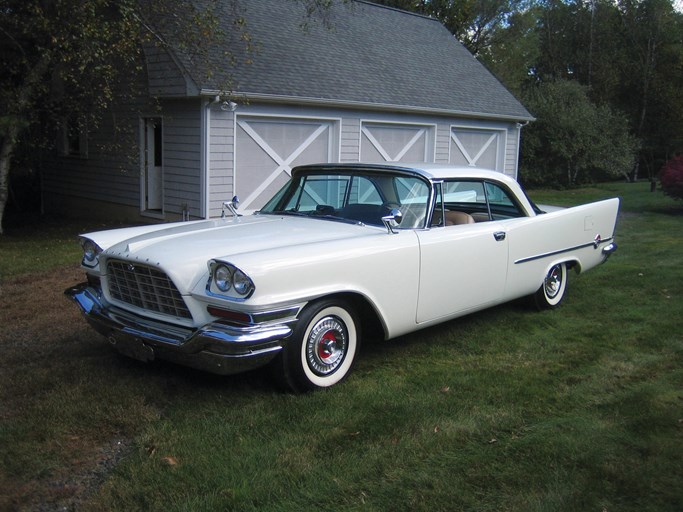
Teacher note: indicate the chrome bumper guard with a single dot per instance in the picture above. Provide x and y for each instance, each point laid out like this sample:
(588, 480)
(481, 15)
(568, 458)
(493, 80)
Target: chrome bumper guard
(608, 250)
(215, 347)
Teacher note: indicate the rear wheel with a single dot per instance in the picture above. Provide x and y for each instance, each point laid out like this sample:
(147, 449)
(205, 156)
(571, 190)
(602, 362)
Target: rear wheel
(551, 292)
(323, 347)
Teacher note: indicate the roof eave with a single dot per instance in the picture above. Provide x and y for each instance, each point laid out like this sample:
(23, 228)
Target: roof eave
(299, 100)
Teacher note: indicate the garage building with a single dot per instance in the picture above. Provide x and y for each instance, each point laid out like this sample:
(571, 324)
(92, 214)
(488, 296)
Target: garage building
(371, 84)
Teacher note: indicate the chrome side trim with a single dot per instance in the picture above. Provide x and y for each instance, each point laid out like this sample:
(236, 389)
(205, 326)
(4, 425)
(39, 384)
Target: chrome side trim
(593, 244)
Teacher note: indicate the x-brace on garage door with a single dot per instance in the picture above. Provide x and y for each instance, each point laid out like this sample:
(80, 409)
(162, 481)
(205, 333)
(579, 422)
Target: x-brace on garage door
(267, 148)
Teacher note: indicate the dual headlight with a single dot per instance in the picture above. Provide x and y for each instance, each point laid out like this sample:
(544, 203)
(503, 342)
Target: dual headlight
(227, 277)
(91, 252)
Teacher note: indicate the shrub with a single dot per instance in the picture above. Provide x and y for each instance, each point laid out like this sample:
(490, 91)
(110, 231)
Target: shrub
(671, 177)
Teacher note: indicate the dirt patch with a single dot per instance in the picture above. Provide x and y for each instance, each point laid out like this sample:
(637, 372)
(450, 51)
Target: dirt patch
(41, 329)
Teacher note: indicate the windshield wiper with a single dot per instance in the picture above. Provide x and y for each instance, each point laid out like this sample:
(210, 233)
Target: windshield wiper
(289, 212)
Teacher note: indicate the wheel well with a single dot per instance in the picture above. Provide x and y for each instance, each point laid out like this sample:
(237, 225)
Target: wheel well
(574, 264)
(371, 324)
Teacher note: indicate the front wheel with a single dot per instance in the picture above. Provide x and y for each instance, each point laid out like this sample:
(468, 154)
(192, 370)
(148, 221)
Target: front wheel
(551, 292)
(323, 347)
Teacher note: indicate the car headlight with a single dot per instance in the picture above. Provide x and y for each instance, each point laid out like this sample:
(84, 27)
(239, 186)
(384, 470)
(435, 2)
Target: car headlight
(241, 282)
(91, 251)
(222, 277)
(226, 277)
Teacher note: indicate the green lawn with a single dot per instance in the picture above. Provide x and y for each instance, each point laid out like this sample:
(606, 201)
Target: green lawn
(580, 408)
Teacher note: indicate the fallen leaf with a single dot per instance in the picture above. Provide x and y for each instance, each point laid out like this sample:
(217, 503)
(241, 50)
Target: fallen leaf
(170, 461)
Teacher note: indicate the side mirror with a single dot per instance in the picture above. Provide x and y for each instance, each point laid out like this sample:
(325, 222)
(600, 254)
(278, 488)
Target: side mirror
(232, 206)
(392, 220)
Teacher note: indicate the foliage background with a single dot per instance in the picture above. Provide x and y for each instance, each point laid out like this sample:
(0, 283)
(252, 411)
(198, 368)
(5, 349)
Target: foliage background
(627, 56)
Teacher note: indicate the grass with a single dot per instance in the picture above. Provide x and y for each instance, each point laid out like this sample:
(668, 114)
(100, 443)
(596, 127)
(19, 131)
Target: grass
(47, 243)
(580, 408)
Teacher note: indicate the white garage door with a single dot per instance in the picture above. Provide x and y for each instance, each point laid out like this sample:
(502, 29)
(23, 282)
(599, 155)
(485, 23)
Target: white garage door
(267, 148)
(478, 148)
(382, 142)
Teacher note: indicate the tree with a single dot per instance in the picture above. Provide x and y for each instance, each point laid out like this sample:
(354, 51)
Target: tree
(515, 50)
(653, 37)
(472, 22)
(64, 62)
(573, 138)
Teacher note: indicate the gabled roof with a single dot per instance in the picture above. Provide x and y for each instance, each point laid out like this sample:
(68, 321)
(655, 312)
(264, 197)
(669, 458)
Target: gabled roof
(369, 56)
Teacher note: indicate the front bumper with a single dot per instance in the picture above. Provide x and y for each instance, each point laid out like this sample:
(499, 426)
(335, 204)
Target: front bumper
(215, 347)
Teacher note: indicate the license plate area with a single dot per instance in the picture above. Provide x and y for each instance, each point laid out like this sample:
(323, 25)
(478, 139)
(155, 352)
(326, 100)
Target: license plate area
(134, 348)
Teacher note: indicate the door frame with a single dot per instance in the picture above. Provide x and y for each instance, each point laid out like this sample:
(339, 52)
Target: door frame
(148, 151)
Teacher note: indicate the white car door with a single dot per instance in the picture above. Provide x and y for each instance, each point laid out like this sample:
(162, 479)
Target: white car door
(462, 268)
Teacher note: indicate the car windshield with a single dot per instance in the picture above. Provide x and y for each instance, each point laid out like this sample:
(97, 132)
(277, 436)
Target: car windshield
(358, 197)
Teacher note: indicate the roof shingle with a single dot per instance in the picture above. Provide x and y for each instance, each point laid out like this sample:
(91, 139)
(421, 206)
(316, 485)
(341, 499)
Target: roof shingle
(369, 55)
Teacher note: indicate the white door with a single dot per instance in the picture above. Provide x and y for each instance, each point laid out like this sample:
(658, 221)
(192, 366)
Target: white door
(381, 142)
(461, 268)
(478, 148)
(268, 148)
(153, 164)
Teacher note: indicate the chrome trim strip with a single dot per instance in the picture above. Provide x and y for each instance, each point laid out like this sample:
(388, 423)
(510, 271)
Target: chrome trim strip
(594, 244)
(216, 347)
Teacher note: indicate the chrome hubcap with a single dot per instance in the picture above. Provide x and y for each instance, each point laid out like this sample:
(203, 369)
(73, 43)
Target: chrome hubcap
(326, 345)
(553, 281)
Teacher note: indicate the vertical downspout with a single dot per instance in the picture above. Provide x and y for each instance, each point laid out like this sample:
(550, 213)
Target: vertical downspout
(206, 154)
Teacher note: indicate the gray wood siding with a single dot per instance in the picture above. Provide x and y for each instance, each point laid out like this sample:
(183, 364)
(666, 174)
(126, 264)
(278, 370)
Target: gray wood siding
(222, 158)
(182, 157)
(512, 151)
(349, 150)
(115, 176)
(165, 77)
(110, 171)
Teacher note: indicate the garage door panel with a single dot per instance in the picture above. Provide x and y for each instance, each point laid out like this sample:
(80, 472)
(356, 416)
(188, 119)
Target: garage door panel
(268, 148)
(392, 142)
(283, 137)
(477, 148)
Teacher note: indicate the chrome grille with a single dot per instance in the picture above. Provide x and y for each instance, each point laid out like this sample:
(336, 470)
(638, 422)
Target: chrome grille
(145, 287)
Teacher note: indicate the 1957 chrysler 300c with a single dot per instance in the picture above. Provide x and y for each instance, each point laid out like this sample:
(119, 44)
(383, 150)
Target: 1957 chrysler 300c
(342, 249)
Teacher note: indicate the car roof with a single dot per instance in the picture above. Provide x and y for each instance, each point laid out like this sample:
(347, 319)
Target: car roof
(430, 171)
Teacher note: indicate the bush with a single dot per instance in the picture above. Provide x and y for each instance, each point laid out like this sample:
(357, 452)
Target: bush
(671, 177)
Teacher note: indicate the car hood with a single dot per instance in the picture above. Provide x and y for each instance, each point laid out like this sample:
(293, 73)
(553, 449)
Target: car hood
(182, 250)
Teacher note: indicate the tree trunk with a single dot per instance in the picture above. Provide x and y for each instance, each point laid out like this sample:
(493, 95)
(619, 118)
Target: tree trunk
(5, 157)
(19, 117)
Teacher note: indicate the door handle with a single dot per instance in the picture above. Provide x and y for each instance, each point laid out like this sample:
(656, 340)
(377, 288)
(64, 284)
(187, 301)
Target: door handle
(499, 236)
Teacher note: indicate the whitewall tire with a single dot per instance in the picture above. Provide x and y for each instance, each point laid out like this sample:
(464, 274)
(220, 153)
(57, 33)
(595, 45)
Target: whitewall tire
(321, 351)
(552, 291)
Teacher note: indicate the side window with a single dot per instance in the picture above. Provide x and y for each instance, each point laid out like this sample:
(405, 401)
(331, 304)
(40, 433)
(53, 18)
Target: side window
(412, 194)
(502, 204)
(464, 192)
(469, 201)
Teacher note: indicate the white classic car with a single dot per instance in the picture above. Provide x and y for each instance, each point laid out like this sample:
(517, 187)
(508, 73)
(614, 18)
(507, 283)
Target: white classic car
(342, 249)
